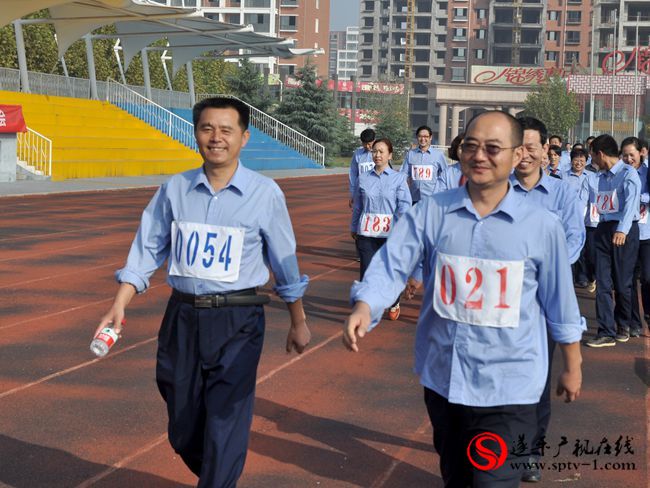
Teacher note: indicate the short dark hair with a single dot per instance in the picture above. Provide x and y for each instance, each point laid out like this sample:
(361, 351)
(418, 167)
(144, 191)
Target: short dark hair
(644, 144)
(222, 102)
(452, 152)
(367, 135)
(531, 123)
(386, 141)
(631, 140)
(516, 130)
(589, 139)
(424, 127)
(579, 151)
(555, 136)
(556, 149)
(606, 144)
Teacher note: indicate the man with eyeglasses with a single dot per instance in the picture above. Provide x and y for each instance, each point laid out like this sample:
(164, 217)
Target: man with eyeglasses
(533, 186)
(425, 166)
(496, 277)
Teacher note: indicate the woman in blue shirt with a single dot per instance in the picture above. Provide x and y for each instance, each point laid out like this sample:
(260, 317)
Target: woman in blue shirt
(381, 197)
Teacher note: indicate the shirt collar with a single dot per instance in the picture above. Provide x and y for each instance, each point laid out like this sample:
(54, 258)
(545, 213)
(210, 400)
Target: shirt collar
(387, 171)
(544, 182)
(510, 205)
(429, 150)
(239, 181)
(617, 167)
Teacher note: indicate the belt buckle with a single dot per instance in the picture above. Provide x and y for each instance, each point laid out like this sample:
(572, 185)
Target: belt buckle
(202, 301)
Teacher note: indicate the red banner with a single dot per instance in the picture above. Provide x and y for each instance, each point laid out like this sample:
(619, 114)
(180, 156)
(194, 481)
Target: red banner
(348, 86)
(11, 119)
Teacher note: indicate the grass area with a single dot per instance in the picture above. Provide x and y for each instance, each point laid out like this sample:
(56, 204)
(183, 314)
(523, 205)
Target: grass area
(338, 162)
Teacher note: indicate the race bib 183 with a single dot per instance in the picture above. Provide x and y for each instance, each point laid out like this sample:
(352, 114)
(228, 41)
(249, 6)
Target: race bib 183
(204, 251)
(607, 202)
(422, 172)
(475, 291)
(375, 225)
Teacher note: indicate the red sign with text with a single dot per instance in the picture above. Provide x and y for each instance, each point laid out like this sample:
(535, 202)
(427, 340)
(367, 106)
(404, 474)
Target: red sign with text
(11, 119)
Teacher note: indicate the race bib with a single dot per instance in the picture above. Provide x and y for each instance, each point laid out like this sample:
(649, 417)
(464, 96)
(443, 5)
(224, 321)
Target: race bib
(208, 252)
(643, 214)
(365, 167)
(422, 172)
(594, 216)
(375, 225)
(607, 202)
(482, 292)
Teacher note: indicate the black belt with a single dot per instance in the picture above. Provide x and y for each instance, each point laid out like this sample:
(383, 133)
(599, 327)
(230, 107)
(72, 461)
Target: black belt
(240, 298)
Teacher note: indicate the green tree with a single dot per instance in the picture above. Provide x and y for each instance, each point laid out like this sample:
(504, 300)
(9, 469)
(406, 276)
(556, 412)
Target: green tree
(554, 105)
(392, 120)
(310, 110)
(247, 84)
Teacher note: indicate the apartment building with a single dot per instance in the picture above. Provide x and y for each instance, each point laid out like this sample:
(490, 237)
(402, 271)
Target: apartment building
(343, 53)
(336, 43)
(306, 21)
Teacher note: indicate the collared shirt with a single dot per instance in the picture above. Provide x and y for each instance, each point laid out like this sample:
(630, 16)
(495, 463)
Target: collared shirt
(565, 161)
(555, 173)
(385, 193)
(644, 225)
(251, 202)
(625, 180)
(431, 157)
(454, 176)
(361, 163)
(591, 187)
(469, 364)
(577, 182)
(556, 196)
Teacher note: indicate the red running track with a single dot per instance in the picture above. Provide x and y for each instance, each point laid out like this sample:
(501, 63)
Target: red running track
(327, 418)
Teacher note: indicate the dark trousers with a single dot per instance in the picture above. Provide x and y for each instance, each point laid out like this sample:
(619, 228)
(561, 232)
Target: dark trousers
(614, 271)
(454, 426)
(544, 405)
(206, 373)
(641, 273)
(583, 268)
(367, 247)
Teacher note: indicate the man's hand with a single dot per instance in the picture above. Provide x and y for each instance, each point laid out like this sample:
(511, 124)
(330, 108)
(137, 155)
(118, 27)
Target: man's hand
(354, 235)
(569, 384)
(618, 239)
(298, 337)
(412, 286)
(356, 326)
(114, 318)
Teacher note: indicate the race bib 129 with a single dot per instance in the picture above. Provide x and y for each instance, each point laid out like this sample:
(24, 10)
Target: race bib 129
(475, 291)
(375, 225)
(422, 172)
(204, 251)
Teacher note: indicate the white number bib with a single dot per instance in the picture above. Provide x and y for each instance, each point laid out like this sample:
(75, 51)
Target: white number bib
(594, 216)
(422, 172)
(607, 202)
(204, 251)
(365, 167)
(375, 225)
(475, 291)
(643, 214)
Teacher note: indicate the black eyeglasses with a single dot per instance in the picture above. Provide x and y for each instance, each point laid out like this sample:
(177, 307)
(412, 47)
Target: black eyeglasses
(490, 149)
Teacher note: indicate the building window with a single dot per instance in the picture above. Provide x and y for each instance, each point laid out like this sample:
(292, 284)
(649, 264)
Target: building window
(552, 35)
(458, 74)
(572, 37)
(460, 34)
(554, 15)
(458, 54)
(288, 22)
(551, 55)
(573, 17)
(289, 3)
(479, 53)
(481, 13)
(460, 14)
(480, 33)
(316, 26)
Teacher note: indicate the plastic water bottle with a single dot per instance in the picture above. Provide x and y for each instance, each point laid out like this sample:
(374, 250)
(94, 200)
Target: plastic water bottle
(104, 340)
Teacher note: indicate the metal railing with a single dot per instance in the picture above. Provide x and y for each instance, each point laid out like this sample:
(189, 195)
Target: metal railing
(282, 132)
(153, 114)
(35, 150)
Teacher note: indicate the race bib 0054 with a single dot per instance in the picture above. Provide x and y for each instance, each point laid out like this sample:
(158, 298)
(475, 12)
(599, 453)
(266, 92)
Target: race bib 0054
(482, 292)
(204, 251)
(375, 225)
(422, 172)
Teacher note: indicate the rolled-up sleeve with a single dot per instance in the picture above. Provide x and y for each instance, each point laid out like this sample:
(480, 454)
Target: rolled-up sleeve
(280, 250)
(555, 289)
(151, 245)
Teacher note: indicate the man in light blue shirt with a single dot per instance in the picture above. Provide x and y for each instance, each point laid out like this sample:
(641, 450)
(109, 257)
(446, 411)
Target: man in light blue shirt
(425, 166)
(216, 226)
(616, 241)
(361, 160)
(496, 278)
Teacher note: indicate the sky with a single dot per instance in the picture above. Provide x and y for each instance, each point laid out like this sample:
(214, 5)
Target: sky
(343, 13)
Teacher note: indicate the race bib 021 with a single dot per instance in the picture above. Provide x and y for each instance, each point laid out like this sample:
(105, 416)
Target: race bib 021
(422, 172)
(375, 225)
(204, 251)
(481, 292)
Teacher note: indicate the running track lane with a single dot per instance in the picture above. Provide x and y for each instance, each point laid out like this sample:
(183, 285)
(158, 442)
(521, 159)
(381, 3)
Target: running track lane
(329, 418)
